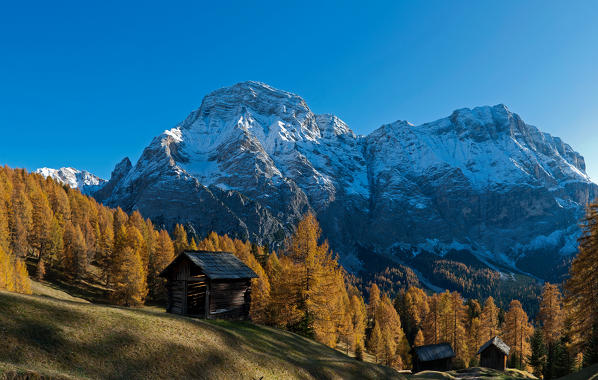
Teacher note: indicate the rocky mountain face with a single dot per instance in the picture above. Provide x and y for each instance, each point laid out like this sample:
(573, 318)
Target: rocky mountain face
(83, 180)
(252, 159)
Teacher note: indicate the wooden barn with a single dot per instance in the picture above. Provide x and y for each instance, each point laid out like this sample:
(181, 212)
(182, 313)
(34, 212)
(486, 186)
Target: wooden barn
(493, 354)
(208, 285)
(433, 357)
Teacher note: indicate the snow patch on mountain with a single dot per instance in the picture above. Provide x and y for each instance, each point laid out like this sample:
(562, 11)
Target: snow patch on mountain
(252, 159)
(83, 180)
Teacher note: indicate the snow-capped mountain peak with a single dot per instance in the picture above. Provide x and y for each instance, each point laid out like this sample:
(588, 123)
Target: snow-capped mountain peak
(251, 160)
(83, 180)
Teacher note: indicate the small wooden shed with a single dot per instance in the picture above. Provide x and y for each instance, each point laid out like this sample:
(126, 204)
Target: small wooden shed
(433, 357)
(208, 285)
(493, 354)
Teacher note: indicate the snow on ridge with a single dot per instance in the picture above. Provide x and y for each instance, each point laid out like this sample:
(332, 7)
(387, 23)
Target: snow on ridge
(83, 180)
(488, 145)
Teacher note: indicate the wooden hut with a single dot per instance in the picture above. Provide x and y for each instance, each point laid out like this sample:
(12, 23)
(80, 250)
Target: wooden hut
(433, 357)
(493, 354)
(208, 285)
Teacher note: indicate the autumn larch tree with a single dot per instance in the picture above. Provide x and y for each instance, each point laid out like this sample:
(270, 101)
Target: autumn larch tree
(163, 255)
(489, 320)
(582, 289)
(517, 331)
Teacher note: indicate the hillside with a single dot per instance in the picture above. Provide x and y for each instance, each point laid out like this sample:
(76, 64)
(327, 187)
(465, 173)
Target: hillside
(58, 336)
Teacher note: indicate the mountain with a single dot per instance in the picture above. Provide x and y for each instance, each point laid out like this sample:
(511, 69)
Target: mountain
(83, 180)
(480, 186)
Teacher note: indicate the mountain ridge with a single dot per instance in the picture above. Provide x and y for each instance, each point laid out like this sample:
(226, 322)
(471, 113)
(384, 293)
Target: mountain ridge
(83, 180)
(252, 159)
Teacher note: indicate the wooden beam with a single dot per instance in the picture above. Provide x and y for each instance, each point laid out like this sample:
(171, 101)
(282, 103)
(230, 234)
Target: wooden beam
(207, 301)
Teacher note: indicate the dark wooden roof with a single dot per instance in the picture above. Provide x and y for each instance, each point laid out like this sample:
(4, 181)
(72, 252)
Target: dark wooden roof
(496, 342)
(434, 352)
(215, 265)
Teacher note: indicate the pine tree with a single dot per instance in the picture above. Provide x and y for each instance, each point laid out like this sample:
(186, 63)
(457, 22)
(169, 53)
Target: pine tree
(590, 348)
(537, 359)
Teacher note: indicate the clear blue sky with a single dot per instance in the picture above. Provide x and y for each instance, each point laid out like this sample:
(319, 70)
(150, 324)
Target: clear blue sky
(85, 84)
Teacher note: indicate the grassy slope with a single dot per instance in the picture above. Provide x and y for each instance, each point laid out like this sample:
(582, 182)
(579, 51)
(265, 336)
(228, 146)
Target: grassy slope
(589, 373)
(56, 335)
(474, 373)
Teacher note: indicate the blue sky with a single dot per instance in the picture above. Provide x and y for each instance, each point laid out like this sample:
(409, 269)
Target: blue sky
(85, 84)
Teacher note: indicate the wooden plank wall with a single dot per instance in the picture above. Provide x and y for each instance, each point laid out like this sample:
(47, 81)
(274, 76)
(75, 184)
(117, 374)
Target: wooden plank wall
(188, 288)
(176, 296)
(227, 299)
(196, 293)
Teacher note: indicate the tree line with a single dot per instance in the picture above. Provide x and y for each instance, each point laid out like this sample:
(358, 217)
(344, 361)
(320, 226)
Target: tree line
(69, 236)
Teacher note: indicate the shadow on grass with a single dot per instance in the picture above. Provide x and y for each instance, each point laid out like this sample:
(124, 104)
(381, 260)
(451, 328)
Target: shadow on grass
(34, 335)
(320, 361)
(64, 336)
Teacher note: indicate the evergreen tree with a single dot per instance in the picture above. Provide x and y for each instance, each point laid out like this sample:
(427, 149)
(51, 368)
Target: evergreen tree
(537, 359)
(590, 349)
